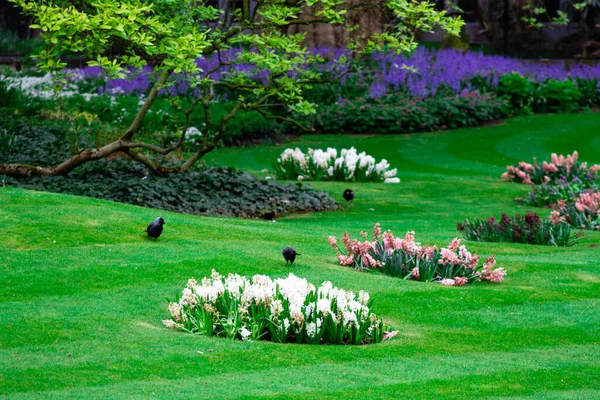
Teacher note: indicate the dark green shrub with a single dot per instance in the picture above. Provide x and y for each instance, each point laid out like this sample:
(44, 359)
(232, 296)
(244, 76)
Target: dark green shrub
(557, 96)
(590, 92)
(404, 115)
(518, 90)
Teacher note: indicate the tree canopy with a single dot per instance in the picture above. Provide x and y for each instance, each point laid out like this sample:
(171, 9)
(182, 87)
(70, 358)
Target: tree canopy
(269, 70)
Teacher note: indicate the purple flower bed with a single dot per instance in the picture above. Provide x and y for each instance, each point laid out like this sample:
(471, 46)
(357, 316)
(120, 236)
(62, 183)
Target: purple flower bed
(428, 71)
(424, 73)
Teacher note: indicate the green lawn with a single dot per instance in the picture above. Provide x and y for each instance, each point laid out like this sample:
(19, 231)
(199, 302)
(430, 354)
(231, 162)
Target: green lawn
(83, 292)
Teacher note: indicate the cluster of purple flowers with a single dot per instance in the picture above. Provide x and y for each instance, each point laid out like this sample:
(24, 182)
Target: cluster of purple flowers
(423, 73)
(427, 71)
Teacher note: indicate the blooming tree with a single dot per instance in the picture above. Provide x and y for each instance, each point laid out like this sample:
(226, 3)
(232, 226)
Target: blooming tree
(169, 37)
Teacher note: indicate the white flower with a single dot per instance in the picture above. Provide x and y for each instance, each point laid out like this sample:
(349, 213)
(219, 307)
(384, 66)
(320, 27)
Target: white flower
(311, 329)
(363, 297)
(354, 305)
(330, 171)
(325, 288)
(324, 306)
(277, 307)
(382, 166)
(245, 333)
(192, 131)
(391, 173)
(392, 180)
(332, 152)
(349, 318)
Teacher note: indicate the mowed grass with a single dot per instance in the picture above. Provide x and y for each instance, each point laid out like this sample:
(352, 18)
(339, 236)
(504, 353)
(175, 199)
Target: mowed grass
(83, 291)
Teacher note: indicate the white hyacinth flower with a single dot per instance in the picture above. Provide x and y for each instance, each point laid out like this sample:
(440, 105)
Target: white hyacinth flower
(391, 173)
(192, 131)
(245, 333)
(311, 330)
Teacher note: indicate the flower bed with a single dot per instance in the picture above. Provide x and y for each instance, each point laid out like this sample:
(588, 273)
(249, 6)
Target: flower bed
(405, 258)
(560, 169)
(280, 310)
(326, 165)
(582, 212)
(563, 178)
(529, 229)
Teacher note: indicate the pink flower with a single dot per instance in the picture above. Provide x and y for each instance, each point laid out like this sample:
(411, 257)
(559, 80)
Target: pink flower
(345, 260)
(489, 262)
(546, 179)
(346, 240)
(549, 168)
(525, 166)
(487, 274)
(454, 244)
(415, 272)
(365, 247)
(447, 282)
(376, 232)
(594, 169)
(579, 206)
(333, 242)
(426, 252)
(460, 280)
(497, 275)
(370, 261)
(554, 158)
(448, 257)
(556, 218)
(388, 240)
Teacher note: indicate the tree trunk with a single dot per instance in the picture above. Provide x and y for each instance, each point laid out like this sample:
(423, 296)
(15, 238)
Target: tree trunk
(488, 28)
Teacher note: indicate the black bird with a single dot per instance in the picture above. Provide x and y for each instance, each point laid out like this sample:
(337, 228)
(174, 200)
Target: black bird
(269, 216)
(155, 229)
(290, 255)
(348, 195)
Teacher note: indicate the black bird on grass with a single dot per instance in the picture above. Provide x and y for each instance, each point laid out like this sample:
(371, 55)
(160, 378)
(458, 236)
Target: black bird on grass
(269, 216)
(155, 229)
(290, 255)
(348, 195)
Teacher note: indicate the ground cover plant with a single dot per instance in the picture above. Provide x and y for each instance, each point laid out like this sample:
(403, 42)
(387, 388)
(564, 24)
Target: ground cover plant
(318, 164)
(280, 310)
(405, 258)
(529, 228)
(84, 291)
(204, 190)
